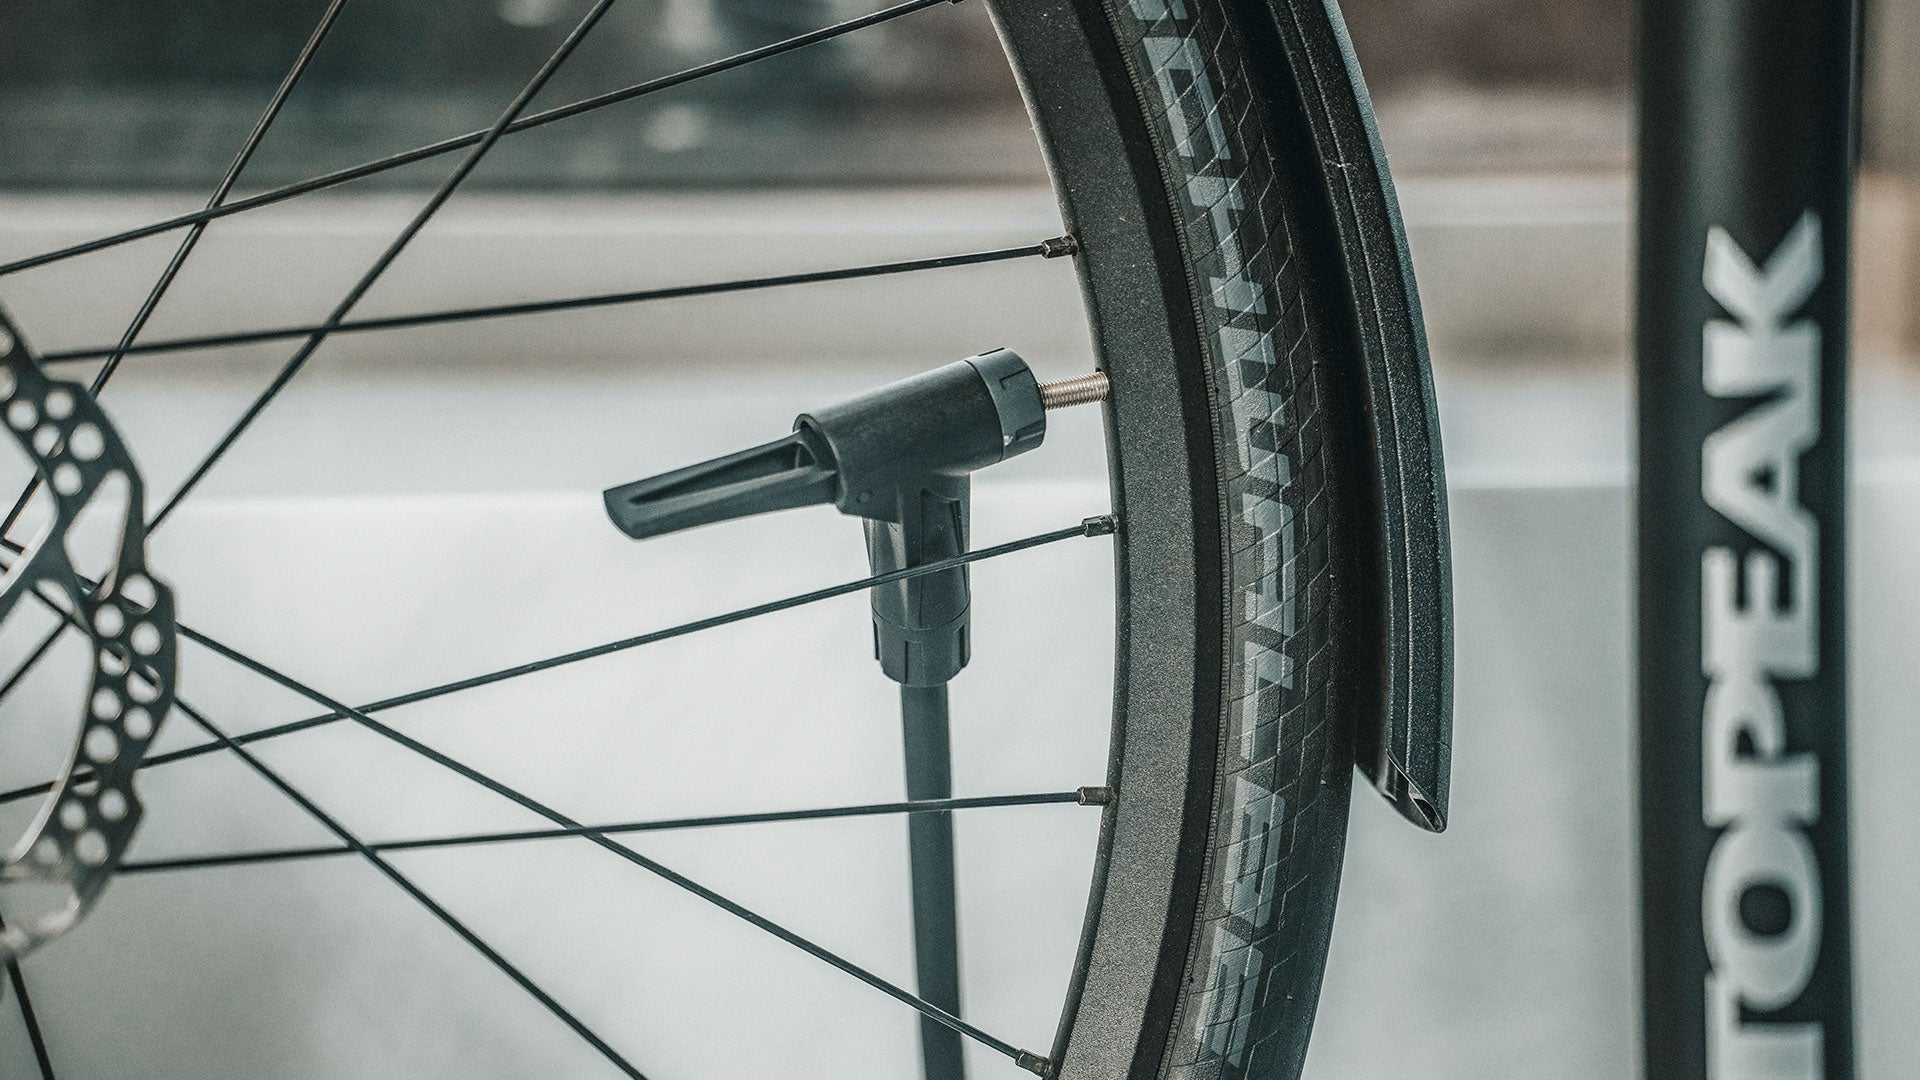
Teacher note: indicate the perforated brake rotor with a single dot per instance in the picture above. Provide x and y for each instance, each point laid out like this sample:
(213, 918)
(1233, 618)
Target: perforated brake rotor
(87, 822)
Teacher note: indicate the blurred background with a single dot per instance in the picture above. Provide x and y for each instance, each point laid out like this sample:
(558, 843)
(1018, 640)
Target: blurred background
(423, 505)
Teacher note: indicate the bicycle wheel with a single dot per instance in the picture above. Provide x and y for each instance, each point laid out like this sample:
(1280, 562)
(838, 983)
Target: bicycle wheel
(1248, 648)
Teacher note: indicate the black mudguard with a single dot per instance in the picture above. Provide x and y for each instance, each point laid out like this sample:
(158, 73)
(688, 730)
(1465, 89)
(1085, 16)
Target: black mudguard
(1407, 754)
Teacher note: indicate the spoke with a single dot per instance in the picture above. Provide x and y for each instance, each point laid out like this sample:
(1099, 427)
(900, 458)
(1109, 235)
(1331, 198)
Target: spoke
(444, 146)
(1044, 249)
(406, 885)
(1094, 526)
(29, 1019)
(387, 257)
(33, 658)
(353, 842)
(1091, 796)
(528, 802)
(1025, 1059)
(187, 244)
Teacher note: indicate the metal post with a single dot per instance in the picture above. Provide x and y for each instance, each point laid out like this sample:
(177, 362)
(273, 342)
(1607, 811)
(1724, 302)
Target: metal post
(1746, 169)
(936, 924)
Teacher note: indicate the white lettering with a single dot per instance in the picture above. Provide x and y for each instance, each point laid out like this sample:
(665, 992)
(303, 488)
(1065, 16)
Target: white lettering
(1755, 632)
(1168, 55)
(1158, 9)
(1253, 865)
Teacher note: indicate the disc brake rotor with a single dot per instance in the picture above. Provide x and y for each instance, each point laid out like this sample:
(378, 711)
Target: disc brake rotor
(82, 831)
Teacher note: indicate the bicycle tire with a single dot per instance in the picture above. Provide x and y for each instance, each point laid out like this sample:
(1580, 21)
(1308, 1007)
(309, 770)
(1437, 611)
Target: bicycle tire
(1236, 440)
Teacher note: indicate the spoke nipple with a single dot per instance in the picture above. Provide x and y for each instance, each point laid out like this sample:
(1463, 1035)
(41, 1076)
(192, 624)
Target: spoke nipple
(1034, 1064)
(1095, 796)
(1083, 390)
(1059, 245)
(1104, 525)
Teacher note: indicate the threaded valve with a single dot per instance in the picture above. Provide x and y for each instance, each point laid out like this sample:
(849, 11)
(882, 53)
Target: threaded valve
(1078, 391)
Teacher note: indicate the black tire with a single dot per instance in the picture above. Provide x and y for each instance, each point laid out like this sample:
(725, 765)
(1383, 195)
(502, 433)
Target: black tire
(1235, 445)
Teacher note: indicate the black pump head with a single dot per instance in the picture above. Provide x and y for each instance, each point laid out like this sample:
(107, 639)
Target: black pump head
(897, 457)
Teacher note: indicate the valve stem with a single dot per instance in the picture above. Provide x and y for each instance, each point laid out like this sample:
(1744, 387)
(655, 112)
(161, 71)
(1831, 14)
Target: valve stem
(1078, 391)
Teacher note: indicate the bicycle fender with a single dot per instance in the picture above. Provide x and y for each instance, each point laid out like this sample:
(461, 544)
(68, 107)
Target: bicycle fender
(1407, 751)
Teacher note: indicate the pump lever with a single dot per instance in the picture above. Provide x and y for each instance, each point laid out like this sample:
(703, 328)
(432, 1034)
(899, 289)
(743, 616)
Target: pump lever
(950, 421)
(871, 456)
(781, 475)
